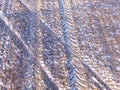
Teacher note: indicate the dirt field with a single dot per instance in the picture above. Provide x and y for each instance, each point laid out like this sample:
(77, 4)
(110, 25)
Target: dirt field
(59, 44)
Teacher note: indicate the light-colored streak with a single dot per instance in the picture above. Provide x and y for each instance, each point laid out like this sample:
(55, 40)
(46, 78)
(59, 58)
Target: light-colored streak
(27, 5)
(5, 19)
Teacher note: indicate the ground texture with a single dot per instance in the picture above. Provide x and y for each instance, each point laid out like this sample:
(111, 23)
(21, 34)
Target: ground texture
(59, 44)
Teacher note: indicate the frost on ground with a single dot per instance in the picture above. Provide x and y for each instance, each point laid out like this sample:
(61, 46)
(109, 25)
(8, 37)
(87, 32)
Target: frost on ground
(59, 44)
